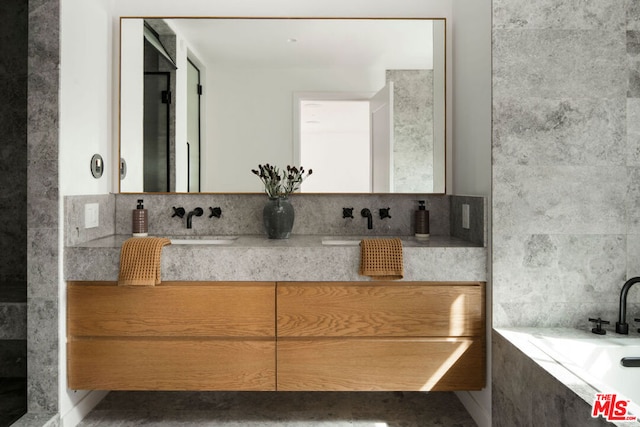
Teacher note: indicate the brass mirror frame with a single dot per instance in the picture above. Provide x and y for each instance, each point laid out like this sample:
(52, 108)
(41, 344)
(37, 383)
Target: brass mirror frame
(445, 104)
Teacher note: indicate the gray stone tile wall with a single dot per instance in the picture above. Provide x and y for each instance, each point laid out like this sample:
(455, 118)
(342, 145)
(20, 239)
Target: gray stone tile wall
(242, 214)
(315, 214)
(477, 230)
(566, 151)
(42, 210)
(74, 216)
(564, 147)
(412, 129)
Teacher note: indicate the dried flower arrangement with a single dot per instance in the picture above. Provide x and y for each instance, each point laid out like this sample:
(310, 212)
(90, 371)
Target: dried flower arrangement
(281, 183)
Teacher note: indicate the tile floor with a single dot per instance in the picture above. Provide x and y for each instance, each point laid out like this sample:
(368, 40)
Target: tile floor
(286, 409)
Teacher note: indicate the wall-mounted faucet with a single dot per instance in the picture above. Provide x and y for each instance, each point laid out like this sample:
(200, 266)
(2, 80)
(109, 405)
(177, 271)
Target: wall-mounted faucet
(622, 327)
(190, 215)
(366, 213)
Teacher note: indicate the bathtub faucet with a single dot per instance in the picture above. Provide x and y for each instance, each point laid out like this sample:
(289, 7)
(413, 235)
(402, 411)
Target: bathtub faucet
(622, 327)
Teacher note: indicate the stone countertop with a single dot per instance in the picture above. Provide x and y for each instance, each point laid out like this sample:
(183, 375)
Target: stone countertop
(299, 258)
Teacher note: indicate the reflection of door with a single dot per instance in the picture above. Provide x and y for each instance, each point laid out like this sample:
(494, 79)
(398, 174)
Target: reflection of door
(381, 106)
(157, 97)
(194, 90)
(335, 143)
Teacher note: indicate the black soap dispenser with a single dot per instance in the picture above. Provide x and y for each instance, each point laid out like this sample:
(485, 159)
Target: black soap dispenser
(140, 221)
(422, 222)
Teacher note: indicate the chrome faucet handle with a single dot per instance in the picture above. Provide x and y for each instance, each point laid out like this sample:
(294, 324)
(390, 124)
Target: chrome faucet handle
(217, 212)
(599, 322)
(179, 212)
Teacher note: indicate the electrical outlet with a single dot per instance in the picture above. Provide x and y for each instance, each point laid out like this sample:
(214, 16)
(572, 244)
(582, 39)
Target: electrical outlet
(465, 216)
(91, 215)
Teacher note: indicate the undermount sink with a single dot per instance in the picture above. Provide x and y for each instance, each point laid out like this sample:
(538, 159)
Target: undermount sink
(203, 240)
(332, 241)
(350, 240)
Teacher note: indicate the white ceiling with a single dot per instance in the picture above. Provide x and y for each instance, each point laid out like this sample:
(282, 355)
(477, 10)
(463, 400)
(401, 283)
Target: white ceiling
(388, 43)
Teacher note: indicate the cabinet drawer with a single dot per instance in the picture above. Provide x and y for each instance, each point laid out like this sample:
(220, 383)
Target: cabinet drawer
(360, 364)
(393, 310)
(155, 364)
(185, 309)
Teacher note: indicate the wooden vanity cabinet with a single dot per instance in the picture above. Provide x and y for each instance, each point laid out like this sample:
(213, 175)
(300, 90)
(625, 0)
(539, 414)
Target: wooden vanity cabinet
(173, 336)
(380, 336)
(321, 336)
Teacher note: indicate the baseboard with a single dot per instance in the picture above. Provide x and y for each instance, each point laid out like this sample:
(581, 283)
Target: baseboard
(84, 406)
(480, 415)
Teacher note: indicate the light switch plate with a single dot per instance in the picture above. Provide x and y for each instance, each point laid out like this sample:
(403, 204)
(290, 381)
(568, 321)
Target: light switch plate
(91, 215)
(465, 216)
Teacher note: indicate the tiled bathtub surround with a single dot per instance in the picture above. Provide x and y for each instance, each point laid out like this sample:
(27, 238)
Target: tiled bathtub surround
(565, 162)
(545, 400)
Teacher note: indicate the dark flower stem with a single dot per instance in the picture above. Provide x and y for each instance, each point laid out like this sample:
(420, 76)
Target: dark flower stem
(279, 183)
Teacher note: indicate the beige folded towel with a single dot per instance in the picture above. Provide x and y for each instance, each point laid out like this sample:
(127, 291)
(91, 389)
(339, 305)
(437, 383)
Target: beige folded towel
(140, 261)
(381, 259)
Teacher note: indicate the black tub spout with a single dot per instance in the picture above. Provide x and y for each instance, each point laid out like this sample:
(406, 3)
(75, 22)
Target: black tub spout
(622, 327)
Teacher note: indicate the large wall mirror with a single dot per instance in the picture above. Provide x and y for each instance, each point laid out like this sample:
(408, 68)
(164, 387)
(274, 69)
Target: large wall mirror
(205, 100)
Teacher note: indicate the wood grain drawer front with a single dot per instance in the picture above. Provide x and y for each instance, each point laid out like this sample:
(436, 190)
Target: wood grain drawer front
(186, 310)
(335, 310)
(112, 364)
(339, 364)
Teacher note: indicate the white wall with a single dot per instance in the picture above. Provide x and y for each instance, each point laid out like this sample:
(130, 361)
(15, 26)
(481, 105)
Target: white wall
(253, 109)
(472, 141)
(85, 95)
(131, 112)
(85, 129)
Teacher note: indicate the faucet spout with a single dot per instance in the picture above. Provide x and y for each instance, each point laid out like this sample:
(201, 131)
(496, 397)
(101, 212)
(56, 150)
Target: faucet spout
(190, 215)
(622, 327)
(366, 213)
